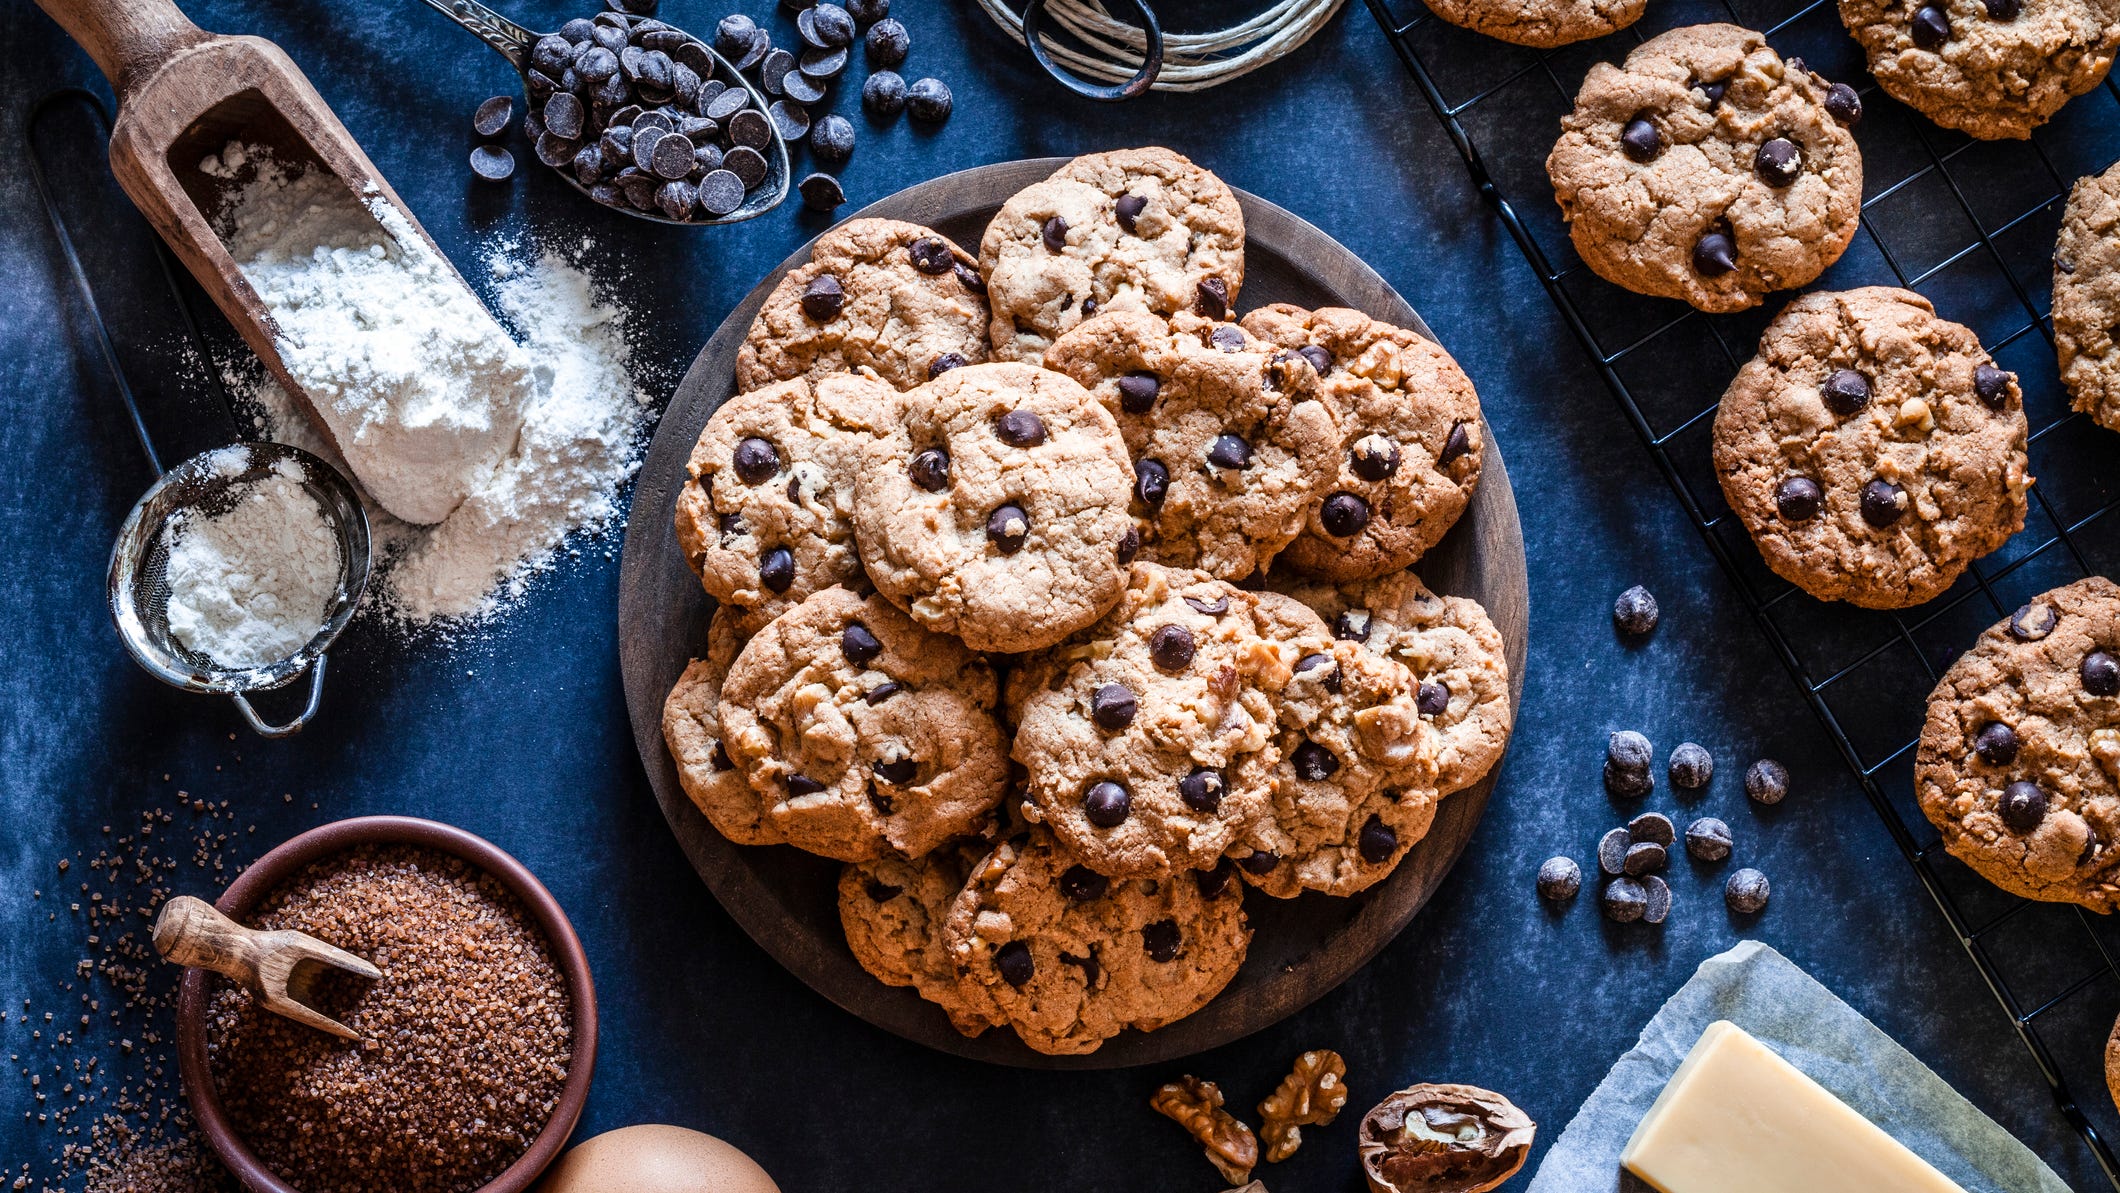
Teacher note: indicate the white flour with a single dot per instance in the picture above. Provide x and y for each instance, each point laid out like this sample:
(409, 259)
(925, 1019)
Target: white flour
(250, 586)
(421, 388)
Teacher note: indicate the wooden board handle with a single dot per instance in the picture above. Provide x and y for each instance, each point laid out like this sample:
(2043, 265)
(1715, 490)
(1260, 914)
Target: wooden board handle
(129, 39)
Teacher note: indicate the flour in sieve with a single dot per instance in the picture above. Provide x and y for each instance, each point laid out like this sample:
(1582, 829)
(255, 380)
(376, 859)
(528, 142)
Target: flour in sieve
(250, 586)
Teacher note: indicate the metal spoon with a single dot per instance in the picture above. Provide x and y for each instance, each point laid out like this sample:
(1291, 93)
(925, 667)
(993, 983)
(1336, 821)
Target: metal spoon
(516, 44)
(270, 965)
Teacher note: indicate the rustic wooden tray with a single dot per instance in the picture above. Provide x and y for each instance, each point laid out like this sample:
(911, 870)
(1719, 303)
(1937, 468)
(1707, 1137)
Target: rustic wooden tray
(787, 899)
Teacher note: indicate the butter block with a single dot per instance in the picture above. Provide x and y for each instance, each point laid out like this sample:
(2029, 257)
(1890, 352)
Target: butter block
(1737, 1118)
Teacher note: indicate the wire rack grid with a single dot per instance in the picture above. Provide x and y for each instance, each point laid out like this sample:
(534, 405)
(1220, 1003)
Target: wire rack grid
(1970, 224)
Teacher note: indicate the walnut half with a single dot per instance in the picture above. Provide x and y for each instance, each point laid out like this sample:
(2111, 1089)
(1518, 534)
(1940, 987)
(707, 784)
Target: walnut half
(1196, 1105)
(1443, 1139)
(1310, 1096)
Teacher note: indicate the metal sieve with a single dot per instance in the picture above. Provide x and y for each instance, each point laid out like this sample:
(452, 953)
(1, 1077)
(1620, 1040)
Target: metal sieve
(209, 484)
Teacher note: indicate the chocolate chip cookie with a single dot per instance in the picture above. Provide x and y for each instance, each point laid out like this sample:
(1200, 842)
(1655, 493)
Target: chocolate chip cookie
(1707, 169)
(767, 517)
(1410, 445)
(1541, 24)
(1450, 647)
(865, 735)
(1070, 958)
(890, 297)
(2087, 296)
(1134, 229)
(1228, 437)
(1148, 737)
(996, 509)
(1354, 789)
(2019, 761)
(692, 730)
(1988, 68)
(893, 910)
(1872, 449)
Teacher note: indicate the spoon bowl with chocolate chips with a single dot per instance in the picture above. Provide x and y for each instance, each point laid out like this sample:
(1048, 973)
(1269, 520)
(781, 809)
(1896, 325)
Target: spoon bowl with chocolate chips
(639, 115)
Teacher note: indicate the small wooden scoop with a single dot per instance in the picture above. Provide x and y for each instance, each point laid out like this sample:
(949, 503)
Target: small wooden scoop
(191, 932)
(183, 94)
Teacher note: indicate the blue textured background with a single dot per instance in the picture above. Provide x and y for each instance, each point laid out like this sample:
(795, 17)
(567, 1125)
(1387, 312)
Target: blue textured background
(519, 733)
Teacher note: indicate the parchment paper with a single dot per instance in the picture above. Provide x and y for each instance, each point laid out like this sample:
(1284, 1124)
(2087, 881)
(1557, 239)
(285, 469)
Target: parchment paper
(1765, 993)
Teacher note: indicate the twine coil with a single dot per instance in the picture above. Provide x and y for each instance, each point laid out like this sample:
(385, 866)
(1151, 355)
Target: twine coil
(1111, 51)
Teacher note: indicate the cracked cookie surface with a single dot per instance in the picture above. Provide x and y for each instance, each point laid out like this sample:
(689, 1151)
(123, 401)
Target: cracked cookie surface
(1708, 170)
(692, 731)
(1988, 68)
(2087, 296)
(1872, 449)
(893, 911)
(1541, 24)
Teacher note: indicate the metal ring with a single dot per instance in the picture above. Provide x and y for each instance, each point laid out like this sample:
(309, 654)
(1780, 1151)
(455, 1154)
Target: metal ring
(1151, 59)
(309, 709)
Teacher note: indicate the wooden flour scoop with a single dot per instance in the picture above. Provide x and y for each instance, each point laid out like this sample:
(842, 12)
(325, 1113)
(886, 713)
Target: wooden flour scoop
(183, 95)
(270, 965)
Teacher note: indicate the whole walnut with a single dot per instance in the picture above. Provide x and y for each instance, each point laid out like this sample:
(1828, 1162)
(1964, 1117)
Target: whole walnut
(1310, 1096)
(1443, 1139)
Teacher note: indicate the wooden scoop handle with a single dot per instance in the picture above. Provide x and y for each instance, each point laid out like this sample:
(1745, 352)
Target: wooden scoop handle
(129, 39)
(191, 932)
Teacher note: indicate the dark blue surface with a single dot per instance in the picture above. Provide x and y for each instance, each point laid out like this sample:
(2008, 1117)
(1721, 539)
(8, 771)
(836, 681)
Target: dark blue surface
(519, 733)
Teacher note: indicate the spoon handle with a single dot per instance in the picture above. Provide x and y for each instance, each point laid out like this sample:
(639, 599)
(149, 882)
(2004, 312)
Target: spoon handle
(512, 40)
(191, 932)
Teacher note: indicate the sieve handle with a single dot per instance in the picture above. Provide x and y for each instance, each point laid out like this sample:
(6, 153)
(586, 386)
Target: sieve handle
(316, 695)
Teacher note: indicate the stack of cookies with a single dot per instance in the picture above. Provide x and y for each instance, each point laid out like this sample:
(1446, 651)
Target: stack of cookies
(1063, 605)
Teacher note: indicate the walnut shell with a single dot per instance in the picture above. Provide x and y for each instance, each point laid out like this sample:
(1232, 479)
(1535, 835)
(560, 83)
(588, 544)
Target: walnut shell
(1443, 1139)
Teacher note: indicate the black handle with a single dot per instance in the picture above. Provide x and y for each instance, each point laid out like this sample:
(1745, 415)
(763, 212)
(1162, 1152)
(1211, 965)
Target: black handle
(1151, 59)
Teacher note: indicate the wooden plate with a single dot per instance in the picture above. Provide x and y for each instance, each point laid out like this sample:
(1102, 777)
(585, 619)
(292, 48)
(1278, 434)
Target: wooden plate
(787, 899)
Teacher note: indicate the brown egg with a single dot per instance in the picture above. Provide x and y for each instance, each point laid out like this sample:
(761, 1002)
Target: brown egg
(654, 1158)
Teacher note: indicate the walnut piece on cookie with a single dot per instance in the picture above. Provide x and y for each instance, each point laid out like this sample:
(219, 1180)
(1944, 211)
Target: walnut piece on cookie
(1411, 440)
(1133, 229)
(894, 299)
(1228, 439)
(2087, 296)
(864, 734)
(1708, 170)
(995, 509)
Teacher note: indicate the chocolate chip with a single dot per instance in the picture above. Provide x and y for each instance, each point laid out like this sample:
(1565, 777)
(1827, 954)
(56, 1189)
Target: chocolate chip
(1213, 608)
(1202, 790)
(802, 785)
(1128, 209)
(1344, 515)
(1227, 338)
(881, 692)
(1054, 233)
(1640, 140)
(944, 363)
(1644, 857)
(1623, 901)
(883, 892)
(1376, 842)
(896, 771)
(1714, 91)
(1845, 391)
(1931, 27)
(928, 100)
(1746, 892)
(930, 469)
(1161, 940)
(492, 163)
(1014, 962)
(858, 644)
(589, 165)
(1171, 647)
(1229, 451)
(1658, 906)
(597, 64)
(492, 117)
(1629, 750)
(1883, 503)
(1691, 766)
(878, 800)
(825, 26)
(1351, 625)
(931, 255)
(1020, 428)
(1007, 527)
(887, 44)
(1211, 298)
(1779, 162)
(820, 192)
(1626, 783)
(2033, 622)
(552, 54)
(1714, 254)
(1798, 499)
(1996, 743)
(969, 278)
(735, 34)
(1309, 662)
(1081, 884)
(1137, 392)
(2004, 10)
(1708, 839)
(1374, 458)
(1635, 612)
(776, 569)
(1089, 307)
(1992, 386)
(1844, 104)
(1313, 762)
(2101, 674)
(746, 163)
(727, 104)
(1151, 482)
(883, 95)
(790, 120)
(1319, 359)
(1129, 546)
(1767, 782)
(1433, 699)
(1259, 862)
(755, 460)
(1612, 851)
(822, 66)
(1459, 443)
(1106, 804)
(719, 760)
(673, 156)
(1112, 706)
(1214, 880)
(2023, 806)
(1559, 879)
(1655, 828)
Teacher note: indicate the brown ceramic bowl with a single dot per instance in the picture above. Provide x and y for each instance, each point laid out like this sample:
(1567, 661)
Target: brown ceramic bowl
(276, 867)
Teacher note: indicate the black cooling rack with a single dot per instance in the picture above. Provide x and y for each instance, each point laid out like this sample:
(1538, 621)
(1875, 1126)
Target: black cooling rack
(1970, 224)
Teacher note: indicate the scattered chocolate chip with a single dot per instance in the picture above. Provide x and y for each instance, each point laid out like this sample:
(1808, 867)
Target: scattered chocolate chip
(1883, 503)
(1313, 762)
(1432, 699)
(1623, 901)
(1319, 359)
(883, 95)
(881, 692)
(859, 645)
(1171, 647)
(1214, 880)
(589, 165)
(887, 44)
(1202, 790)
(1106, 804)
(1007, 527)
(1996, 743)
(735, 34)
(1344, 515)
(755, 460)
(1630, 751)
(1129, 546)
(1658, 906)
(1559, 879)
(1112, 706)
(928, 100)
(1211, 299)
(1652, 827)
(1229, 451)
(1127, 209)
(1151, 482)
(2023, 806)
(1259, 861)
(776, 569)
(1691, 766)
(552, 54)
(1137, 392)
(1161, 940)
(801, 88)
(1455, 447)
(673, 156)
(822, 65)
(2033, 622)
(1640, 140)
(751, 129)
(1767, 782)
(1627, 784)
(1708, 839)
(723, 106)
(1054, 233)
(1014, 962)
(790, 120)
(823, 298)
(802, 785)
(2101, 674)
(930, 469)
(1779, 162)
(1020, 428)
(1845, 392)
(820, 192)
(1376, 842)
(1374, 458)
(1081, 884)
(492, 163)
(1635, 612)
(1644, 857)
(1746, 892)
(1612, 851)
(1714, 254)
(1844, 104)
(1931, 27)
(1798, 499)
(1992, 386)
(492, 117)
